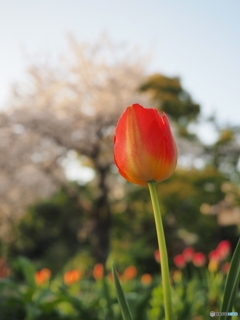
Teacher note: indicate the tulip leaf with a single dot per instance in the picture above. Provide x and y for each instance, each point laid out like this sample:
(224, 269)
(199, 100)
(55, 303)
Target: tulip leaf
(108, 299)
(120, 296)
(231, 283)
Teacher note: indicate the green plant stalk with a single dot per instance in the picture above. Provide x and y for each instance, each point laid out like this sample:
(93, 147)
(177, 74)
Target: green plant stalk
(163, 251)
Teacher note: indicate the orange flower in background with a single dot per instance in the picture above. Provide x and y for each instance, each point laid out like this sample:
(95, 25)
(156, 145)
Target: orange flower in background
(98, 271)
(179, 261)
(72, 276)
(146, 279)
(157, 255)
(199, 259)
(144, 148)
(130, 273)
(188, 254)
(42, 276)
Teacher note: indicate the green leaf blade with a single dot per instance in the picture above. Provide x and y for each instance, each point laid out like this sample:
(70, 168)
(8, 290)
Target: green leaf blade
(231, 283)
(120, 296)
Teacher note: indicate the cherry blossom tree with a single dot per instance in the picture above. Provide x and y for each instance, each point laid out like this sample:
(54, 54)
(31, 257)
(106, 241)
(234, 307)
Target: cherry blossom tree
(72, 104)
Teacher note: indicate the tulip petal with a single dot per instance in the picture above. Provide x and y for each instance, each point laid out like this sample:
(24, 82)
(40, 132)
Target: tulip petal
(144, 147)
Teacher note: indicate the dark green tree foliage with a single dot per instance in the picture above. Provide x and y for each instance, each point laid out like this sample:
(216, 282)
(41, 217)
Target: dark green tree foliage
(225, 152)
(182, 197)
(133, 233)
(49, 233)
(171, 98)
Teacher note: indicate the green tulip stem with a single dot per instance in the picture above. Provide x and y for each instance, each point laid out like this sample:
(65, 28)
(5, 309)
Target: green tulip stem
(163, 252)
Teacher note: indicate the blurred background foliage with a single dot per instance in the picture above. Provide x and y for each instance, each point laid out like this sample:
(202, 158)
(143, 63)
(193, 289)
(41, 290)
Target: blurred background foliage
(169, 96)
(73, 108)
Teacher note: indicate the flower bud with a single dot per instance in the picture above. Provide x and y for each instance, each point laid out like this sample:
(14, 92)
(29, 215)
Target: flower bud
(144, 148)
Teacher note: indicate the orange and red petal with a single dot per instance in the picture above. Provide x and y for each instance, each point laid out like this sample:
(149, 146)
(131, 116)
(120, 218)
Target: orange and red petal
(144, 147)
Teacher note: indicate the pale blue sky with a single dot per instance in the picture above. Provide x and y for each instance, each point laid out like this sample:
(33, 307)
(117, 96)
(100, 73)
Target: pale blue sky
(196, 40)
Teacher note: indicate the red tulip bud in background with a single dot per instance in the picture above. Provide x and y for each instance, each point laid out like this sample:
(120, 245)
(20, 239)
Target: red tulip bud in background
(199, 259)
(188, 254)
(179, 261)
(144, 148)
(224, 248)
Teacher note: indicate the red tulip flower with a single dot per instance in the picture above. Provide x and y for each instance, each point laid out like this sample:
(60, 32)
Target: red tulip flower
(199, 259)
(144, 148)
(188, 254)
(145, 153)
(179, 261)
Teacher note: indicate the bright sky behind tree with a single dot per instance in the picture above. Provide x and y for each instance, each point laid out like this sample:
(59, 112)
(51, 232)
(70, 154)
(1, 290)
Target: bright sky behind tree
(196, 40)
